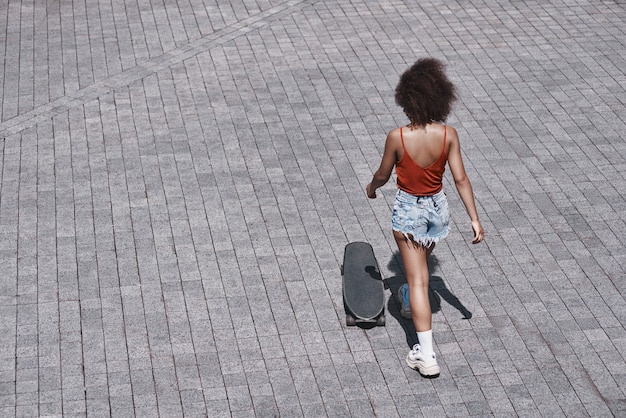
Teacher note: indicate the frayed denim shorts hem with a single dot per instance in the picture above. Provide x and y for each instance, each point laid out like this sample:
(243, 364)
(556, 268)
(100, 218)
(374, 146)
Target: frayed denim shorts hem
(422, 219)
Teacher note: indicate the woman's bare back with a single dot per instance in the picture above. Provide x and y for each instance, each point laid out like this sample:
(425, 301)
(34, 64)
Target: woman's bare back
(425, 144)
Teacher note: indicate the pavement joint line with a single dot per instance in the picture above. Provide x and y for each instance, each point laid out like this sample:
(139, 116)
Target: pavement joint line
(26, 120)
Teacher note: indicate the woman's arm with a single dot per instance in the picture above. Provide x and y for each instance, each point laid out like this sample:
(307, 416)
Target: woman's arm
(462, 182)
(381, 176)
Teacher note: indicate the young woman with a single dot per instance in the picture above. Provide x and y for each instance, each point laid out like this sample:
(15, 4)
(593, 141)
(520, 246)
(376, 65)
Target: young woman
(419, 152)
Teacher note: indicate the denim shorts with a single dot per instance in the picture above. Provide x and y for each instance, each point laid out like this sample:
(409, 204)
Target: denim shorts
(423, 219)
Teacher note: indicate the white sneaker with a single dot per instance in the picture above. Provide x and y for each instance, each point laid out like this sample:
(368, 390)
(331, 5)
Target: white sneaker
(417, 361)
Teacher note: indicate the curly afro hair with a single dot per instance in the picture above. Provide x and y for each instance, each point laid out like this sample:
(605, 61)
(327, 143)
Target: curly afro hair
(425, 93)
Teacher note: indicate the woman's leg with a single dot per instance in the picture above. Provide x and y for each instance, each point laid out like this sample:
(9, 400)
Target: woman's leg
(415, 260)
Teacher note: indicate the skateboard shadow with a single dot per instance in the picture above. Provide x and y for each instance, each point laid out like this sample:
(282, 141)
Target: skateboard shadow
(437, 290)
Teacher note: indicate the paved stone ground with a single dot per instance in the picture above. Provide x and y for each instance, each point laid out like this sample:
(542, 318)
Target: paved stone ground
(179, 179)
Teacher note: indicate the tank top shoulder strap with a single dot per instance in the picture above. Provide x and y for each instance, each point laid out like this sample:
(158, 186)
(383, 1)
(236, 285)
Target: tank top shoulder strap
(445, 132)
(402, 138)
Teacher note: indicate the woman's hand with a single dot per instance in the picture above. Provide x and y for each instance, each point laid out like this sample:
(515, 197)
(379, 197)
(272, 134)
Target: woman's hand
(479, 232)
(371, 193)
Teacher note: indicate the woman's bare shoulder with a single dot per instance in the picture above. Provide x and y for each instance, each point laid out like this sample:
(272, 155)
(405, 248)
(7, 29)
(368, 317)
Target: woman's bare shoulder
(451, 133)
(394, 132)
(450, 129)
(393, 136)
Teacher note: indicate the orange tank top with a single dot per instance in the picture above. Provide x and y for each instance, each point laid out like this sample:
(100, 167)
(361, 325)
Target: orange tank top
(420, 181)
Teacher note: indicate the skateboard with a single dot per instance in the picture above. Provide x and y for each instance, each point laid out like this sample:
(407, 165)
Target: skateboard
(363, 289)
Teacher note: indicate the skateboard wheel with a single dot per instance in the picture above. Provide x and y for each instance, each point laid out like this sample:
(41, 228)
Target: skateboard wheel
(380, 322)
(350, 321)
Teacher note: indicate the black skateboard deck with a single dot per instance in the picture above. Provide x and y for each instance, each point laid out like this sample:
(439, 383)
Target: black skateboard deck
(363, 288)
